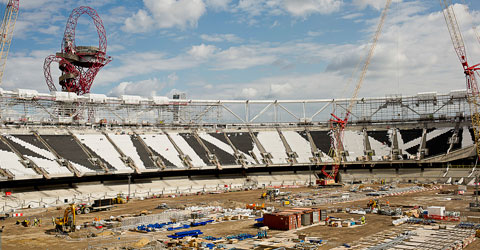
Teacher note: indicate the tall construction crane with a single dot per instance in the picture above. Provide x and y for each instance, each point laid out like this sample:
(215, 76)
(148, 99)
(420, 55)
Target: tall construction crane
(6, 34)
(337, 125)
(471, 81)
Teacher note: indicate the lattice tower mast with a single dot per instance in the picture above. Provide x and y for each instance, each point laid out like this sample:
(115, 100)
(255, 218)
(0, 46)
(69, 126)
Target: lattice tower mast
(337, 124)
(8, 25)
(469, 71)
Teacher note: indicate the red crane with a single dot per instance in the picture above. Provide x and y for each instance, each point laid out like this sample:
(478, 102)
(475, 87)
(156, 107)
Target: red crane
(79, 64)
(469, 71)
(337, 125)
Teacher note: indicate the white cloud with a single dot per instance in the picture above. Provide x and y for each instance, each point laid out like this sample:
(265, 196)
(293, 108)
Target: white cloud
(51, 30)
(306, 7)
(314, 33)
(202, 51)
(249, 93)
(294, 86)
(221, 38)
(149, 87)
(218, 4)
(352, 16)
(166, 14)
(26, 71)
(139, 22)
(242, 57)
(296, 8)
(376, 4)
(145, 63)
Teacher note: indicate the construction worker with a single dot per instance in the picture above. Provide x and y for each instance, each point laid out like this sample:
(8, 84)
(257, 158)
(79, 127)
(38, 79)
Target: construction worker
(363, 220)
(35, 222)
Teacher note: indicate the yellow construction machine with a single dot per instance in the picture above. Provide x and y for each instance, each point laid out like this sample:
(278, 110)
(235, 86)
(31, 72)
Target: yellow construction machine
(373, 203)
(67, 222)
(120, 199)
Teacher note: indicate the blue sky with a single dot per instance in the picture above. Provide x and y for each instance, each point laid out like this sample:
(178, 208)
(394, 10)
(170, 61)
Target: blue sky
(249, 49)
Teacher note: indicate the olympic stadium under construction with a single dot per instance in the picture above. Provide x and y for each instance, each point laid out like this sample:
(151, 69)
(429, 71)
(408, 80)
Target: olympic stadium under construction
(133, 172)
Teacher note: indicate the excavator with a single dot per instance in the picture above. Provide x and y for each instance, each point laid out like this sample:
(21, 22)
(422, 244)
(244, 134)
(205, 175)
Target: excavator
(66, 223)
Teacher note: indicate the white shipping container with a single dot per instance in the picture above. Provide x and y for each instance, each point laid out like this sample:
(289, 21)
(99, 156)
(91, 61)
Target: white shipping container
(97, 98)
(26, 93)
(434, 210)
(160, 100)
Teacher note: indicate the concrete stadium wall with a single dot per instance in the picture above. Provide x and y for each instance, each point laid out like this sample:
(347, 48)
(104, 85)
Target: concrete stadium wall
(88, 192)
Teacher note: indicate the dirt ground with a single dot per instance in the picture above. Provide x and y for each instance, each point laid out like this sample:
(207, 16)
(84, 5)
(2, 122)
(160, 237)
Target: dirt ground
(19, 237)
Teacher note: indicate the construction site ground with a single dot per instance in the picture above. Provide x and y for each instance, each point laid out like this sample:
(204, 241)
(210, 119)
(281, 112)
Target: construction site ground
(45, 237)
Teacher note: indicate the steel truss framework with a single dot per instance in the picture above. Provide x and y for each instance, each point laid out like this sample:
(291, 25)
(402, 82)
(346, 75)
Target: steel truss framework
(30, 107)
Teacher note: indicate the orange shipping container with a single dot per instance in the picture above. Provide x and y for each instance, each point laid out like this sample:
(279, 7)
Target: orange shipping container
(280, 221)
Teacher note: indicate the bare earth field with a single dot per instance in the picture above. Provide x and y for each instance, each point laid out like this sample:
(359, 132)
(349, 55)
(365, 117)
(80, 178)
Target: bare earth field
(19, 237)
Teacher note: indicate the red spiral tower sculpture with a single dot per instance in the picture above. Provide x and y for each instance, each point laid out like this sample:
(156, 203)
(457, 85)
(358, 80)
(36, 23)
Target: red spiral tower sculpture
(79, 64)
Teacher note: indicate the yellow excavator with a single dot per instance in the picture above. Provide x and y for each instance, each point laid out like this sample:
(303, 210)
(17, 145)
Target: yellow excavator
(67, 222)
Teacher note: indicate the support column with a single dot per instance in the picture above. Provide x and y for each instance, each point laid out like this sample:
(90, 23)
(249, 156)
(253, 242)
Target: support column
(367, 151)
(92, 158)
(395, 152)
(292, 156)
(239, 156)
(423, 150)
(157, 160)
(267, 157)
(185, 158)
(316, 153)
(127, 160)
(211, 157)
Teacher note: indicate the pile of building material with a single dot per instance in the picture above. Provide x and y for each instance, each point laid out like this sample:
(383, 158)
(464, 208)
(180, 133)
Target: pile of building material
(439, 213)
(424, 237)
(294, 218)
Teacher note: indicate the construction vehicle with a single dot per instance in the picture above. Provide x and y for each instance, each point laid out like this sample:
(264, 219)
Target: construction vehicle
(120, 199)
(67, 222)
(25, 223)
(373, 203)
(325, 182)
(270, 192)
(98, 205)
(82, 208)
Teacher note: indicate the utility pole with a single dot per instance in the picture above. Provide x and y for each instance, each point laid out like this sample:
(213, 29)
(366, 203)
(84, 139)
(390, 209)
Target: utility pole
(310, 175)
(476, 190)
(129, 181)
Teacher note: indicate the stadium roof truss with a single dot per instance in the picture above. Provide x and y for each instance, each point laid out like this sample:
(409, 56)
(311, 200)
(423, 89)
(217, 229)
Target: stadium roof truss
(30, 107)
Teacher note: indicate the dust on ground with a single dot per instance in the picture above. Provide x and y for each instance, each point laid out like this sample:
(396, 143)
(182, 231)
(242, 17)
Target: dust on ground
(19, 237)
